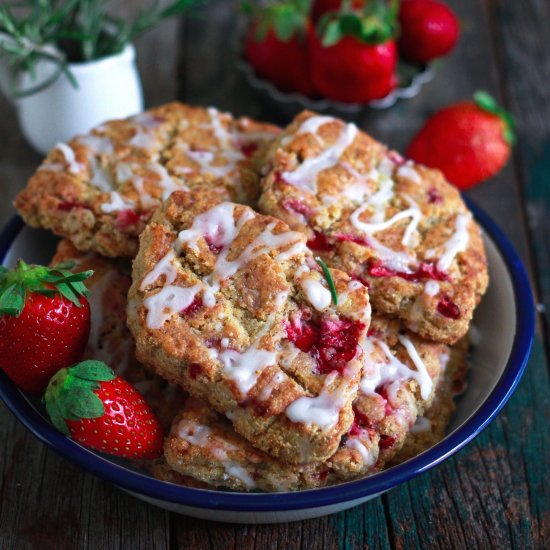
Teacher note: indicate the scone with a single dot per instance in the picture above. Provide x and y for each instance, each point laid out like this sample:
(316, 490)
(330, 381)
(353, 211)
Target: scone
(400, 374)
(99, 190)
(110, 340)
(430, 428)
(397, 226)
(232, 305)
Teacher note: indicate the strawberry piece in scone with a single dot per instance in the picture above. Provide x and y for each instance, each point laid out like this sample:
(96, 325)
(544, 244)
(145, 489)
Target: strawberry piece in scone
(397, 226)
(99, 190)
(232, 305)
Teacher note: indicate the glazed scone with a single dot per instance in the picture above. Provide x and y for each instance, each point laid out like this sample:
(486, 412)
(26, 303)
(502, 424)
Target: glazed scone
(395, 225)
(99, 190)
(202, 443)
(231, 305)
(431, 427)
(110, 340)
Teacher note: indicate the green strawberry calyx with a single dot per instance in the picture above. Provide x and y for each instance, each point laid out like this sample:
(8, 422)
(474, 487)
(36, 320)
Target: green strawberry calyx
(70, 393)
(287, 18)
(49, 281)
(488, 103)
(375, 23)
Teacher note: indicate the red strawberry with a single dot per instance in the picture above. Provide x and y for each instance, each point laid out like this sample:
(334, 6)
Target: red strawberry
(469, 141)
(276, 45)
(353, 55)
(44, 322)
(103, 412)
(429, 29)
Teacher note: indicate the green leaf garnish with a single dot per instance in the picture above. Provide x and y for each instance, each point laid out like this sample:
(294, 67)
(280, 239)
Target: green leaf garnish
(15, 284)
(70, 394)
(488, 103)
(330, 282)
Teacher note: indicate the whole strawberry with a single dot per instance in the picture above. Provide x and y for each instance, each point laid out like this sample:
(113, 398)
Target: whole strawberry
(469, 141)
(429, 29)
(276, 44)
(353, 54)
(44, 322)
(103, 412)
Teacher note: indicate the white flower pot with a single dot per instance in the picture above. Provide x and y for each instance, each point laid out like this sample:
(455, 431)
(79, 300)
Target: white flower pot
(107, 88)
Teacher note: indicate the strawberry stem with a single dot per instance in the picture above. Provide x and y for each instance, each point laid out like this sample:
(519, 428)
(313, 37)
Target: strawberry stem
(488, 103)
(70, 393)
(15, 284)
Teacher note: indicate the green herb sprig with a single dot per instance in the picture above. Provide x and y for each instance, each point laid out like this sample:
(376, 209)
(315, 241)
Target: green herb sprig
(330, 282)
(70, 31)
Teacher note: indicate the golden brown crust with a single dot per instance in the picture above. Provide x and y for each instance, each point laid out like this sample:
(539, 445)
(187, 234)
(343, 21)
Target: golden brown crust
(241, 330)
(100, 190)
(395, 225)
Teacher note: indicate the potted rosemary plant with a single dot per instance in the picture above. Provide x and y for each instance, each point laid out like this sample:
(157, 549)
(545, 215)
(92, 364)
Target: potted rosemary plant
(69, 65)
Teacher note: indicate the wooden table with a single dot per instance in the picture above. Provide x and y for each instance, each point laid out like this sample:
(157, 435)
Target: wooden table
(495, 492)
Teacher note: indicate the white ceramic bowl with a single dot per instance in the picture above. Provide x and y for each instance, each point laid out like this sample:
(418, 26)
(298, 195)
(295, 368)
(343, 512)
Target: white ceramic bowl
(504, 321)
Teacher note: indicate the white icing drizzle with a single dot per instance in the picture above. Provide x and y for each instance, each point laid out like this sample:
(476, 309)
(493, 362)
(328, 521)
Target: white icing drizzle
(378, 371)
(318, 296)
(165, 181)
(70, 158)
(275, 382)
(147, 120)
(423, 378)
(412, 212)
(408, 172)
(169, 300)
(369, 456)
(324, 409)
(456, 244)
(205, 161)
(165, 267)
(422, 424)
(431, 288)
(305, 176)
(233, 469)
(312, 124)
(143, 140)
(222, 135)
(194, 433)
(97, 145)
(244, 368)
(117, 203)
(280, 298)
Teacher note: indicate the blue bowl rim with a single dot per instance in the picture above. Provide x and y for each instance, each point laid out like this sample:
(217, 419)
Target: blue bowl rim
(148, 486)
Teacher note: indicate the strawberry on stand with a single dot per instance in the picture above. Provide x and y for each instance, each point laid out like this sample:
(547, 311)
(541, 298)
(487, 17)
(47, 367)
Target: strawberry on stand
(99, 410)
(353, 54)
(44, 322)
(469, 141)
(429, 29)
(276, 43)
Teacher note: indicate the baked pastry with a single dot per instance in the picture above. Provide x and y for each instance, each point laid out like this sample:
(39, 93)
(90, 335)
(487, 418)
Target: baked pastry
(231, 305)
(99, 190)
(397, 226)
(399, 369)
(431, 427)
(110, 340)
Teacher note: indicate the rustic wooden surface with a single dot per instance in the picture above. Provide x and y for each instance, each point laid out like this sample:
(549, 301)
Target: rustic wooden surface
(495, 492)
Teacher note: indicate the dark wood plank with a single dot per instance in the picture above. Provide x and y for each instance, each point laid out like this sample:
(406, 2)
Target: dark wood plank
(336, 532)
(521, 46)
